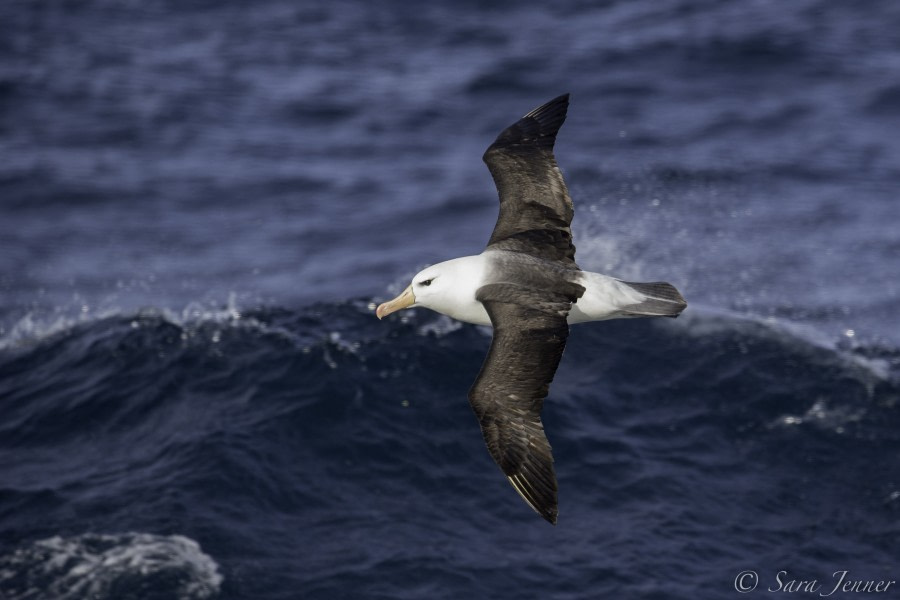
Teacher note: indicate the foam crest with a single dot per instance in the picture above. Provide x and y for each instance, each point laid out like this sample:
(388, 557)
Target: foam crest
(704, 321)
(100, 566)
(196, 320)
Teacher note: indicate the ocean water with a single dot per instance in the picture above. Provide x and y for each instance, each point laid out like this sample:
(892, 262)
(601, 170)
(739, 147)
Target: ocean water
(200, 204)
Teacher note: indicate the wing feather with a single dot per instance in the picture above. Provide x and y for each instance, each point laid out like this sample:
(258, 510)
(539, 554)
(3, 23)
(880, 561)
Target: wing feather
(509, 393)
(527, 298)
(535, 208)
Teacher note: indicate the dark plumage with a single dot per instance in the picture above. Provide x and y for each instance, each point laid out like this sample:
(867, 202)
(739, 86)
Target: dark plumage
(529, 303)
(535, 208)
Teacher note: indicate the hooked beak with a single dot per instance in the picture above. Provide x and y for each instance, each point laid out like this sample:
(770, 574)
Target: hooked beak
(404, 300)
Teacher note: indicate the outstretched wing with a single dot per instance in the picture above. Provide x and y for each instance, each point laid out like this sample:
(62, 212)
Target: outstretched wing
(529, 338)
(535, 207)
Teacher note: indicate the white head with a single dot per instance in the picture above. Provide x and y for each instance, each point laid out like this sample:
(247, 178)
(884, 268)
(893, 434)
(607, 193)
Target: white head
(448, 288)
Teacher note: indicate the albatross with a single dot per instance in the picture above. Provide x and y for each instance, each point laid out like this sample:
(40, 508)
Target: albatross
(527, 286)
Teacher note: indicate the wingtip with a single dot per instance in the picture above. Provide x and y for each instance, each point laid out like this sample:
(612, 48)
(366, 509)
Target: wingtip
(560, 102)
(547, 510)
(537, 128)
(550, 512)
(550, 115)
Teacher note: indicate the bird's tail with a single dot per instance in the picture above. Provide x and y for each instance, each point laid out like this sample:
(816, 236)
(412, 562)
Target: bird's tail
(661, 299)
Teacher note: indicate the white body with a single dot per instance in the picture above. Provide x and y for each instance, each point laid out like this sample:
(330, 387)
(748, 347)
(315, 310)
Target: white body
(455, 282)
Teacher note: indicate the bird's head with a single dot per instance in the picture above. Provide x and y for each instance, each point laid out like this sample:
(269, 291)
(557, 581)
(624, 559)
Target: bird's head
(425, 290)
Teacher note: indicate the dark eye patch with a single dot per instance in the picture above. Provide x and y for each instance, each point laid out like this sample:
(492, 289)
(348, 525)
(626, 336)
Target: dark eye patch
(427, 282)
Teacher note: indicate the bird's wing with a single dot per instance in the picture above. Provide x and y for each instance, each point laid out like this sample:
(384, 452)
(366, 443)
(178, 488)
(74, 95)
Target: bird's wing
(535, 207)
(530, 334)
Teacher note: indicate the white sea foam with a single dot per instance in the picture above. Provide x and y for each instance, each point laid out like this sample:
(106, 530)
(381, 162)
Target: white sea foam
(702, 321)
(194, 319)
(824, 416)
(102, 566)
(30, 328)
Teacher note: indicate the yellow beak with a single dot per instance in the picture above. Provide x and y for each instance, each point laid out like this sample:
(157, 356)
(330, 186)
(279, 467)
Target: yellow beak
(404, 300)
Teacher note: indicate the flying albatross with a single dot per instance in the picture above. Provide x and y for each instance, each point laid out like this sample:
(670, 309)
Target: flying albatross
(527, 286)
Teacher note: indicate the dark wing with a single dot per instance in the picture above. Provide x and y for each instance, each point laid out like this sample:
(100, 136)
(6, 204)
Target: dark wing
(530, 334)
(535, 207)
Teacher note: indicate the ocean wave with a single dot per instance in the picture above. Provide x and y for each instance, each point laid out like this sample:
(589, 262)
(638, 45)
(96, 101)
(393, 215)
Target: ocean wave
(34, 329)
(109, 566)
(270, 430)
(346, 338)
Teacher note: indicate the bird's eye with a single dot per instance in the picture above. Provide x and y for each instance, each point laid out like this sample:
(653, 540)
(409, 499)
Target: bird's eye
(427, 282)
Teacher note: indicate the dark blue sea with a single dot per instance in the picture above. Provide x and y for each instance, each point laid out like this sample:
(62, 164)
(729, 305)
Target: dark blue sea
(202, 202)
